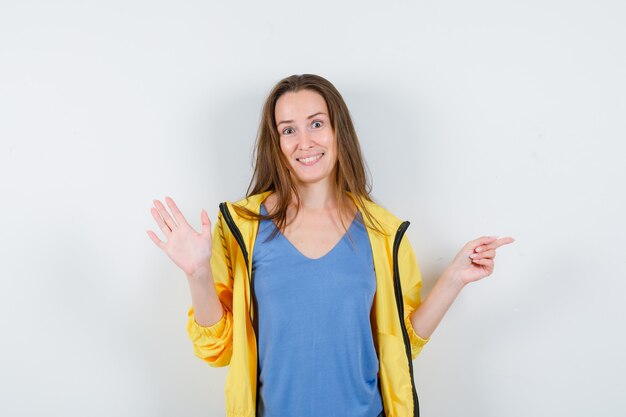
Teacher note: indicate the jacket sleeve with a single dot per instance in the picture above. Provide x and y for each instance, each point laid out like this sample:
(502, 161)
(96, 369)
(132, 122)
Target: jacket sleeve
(214, 344)
(411, 283)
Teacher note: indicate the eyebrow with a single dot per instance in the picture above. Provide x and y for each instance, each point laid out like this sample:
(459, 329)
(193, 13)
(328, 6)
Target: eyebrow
(291, 121)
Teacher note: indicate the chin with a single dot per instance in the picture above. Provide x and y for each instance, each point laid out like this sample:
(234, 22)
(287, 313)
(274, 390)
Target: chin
(309, 179)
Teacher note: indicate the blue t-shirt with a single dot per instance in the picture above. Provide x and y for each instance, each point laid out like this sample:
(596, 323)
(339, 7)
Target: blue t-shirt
(316, 351)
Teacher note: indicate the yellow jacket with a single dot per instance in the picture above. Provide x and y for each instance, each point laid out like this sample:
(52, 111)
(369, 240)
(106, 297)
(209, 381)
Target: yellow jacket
(232, 340)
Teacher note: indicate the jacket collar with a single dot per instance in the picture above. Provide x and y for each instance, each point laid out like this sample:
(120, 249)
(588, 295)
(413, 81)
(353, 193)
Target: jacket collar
(389, 221)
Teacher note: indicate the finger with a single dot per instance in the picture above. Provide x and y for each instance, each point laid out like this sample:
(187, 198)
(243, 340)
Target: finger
(495, 244)
(166, 216)
(476, 245)
(157, 217)
(500, 242)
(155, 239)
(505, 240)
(178, 216)
(206, 224)
(484, 240)
(484, 255)
(485, 262)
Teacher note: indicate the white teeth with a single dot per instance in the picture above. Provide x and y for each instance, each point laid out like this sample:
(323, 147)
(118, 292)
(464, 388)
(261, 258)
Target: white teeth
(310, 159)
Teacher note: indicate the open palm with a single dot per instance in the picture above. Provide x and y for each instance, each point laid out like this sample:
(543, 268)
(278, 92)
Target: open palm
(190, 250)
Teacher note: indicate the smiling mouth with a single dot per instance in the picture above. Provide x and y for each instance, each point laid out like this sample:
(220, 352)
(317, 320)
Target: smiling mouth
(310, 160)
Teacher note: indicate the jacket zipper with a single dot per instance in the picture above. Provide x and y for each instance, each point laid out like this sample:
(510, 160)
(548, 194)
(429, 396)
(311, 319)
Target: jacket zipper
(400, 305)
(397, 289)
(237, 234)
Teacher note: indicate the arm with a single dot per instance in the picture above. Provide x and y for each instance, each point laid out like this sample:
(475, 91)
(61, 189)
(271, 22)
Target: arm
(208, 309)
(473, 262)
(209, 324)
(430, 312)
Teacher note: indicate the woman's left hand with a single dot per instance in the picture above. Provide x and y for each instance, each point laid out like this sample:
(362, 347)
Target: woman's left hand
(475, 260)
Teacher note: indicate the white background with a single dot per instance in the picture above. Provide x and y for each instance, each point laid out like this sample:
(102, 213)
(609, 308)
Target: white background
(475, 118)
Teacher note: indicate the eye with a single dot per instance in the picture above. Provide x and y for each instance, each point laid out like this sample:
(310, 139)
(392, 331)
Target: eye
(317, 123)
(287, 131)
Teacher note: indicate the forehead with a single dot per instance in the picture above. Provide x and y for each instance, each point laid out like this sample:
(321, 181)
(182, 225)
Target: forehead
(299, 105)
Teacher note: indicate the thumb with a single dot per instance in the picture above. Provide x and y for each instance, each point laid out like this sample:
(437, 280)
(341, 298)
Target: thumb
(206, 224)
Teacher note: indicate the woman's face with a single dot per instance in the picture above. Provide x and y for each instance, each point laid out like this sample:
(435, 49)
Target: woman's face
(306, 135)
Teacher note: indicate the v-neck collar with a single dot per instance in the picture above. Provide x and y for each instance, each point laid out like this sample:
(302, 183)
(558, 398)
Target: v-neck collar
(329, 252)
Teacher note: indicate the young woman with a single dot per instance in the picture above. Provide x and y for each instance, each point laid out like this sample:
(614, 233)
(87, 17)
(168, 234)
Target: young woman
(307, 288)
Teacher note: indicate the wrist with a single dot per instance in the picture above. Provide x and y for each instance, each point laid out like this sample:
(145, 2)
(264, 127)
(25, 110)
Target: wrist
(200, 275)
(453, 279)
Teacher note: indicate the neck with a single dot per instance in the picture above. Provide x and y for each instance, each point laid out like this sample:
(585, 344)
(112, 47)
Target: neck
(319, 196)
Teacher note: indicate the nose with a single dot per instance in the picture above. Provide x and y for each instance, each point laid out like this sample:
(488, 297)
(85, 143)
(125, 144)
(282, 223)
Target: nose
(305, 141)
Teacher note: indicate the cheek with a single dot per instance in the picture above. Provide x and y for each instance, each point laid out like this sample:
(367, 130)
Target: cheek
(287, 147)
(331, 142)
(326, 139)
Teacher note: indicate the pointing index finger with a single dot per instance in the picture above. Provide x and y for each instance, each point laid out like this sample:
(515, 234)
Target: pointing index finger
(502, 241)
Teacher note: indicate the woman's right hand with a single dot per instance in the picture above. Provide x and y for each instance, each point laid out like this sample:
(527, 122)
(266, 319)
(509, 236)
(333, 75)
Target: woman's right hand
(190, 250)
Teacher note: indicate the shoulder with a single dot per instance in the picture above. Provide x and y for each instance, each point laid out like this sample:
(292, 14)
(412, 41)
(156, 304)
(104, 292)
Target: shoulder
(252, 202)
(383, 215)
